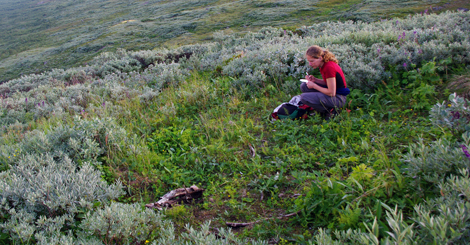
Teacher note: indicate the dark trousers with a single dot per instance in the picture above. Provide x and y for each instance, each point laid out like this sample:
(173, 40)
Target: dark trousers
(321, 102)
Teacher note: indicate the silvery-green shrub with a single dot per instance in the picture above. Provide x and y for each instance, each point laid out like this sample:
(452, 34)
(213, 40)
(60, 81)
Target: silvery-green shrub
(165, 75)
(448, 226)
(55, 77)
(121, 223)
(84, 140)
(202, 236)
(453, 114)
(431, 164)
(74, 91)
(446, 219)
(41, 194)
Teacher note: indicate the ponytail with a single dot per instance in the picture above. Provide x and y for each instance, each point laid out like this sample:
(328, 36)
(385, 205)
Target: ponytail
(328, 56)
(315, 52)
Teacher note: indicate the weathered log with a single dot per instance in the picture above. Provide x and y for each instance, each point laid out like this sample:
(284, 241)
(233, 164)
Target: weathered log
(181, 195)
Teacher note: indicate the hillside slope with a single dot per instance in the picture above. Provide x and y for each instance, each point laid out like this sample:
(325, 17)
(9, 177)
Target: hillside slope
(82, 150)
(40, 35)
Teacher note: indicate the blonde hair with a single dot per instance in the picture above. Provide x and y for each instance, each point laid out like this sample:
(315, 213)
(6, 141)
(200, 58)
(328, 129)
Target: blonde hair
(317, 52)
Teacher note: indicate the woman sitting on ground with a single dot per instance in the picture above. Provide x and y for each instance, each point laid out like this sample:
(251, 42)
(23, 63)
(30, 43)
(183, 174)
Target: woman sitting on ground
(325, 96)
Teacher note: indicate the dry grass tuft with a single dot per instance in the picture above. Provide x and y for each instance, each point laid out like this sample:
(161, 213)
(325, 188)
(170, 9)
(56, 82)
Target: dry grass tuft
(460, 85)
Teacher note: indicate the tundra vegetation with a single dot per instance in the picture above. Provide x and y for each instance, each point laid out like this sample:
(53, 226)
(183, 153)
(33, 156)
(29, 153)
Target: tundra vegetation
(83, 149)
(38, 35)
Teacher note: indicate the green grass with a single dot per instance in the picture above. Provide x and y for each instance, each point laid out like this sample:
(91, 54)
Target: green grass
(204, 133)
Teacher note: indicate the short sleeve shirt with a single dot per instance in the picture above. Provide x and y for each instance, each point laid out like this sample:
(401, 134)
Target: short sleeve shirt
(331, 69)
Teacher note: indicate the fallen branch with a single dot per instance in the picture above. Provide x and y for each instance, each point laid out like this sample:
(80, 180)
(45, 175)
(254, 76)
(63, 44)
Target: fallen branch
(258, 221)
(180, 195)
(253, 151)
(282, 195)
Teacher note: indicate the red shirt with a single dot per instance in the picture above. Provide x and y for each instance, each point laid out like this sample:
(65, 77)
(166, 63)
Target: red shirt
(331, 69)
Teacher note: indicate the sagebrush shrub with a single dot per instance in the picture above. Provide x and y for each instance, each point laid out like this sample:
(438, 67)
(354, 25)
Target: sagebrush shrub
(121, 223)
(453, 114)
(202, 236)
(86, 140)
(425, 162)
(41, 194)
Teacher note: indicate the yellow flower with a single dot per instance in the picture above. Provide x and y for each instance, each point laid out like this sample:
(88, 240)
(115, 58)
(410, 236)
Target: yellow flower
(146, 241)
(449, 105)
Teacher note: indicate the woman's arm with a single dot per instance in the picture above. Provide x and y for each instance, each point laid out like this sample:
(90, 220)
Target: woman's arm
(316, 80)
(330, 83)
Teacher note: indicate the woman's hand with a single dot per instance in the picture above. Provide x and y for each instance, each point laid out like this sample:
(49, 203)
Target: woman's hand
(310, 81)
(310, 78)
(315, 80)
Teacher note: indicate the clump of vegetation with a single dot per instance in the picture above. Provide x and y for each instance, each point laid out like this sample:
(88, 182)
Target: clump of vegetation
(42, 195)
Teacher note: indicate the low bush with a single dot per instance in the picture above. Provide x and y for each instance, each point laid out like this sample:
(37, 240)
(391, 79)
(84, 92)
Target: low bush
(453, 114)
(43, 194)
(85, 141)
(121, 223)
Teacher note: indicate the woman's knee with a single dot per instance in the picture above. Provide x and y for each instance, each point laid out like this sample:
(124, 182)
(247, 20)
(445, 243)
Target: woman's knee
(312, 100)
(306, 99)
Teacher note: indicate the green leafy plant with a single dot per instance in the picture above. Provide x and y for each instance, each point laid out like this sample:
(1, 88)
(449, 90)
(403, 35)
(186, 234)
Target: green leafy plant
(349, 218)
(321, 203)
